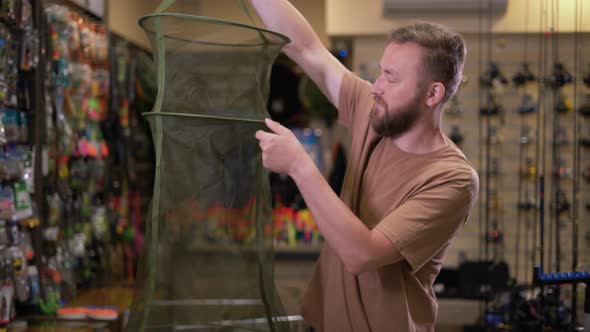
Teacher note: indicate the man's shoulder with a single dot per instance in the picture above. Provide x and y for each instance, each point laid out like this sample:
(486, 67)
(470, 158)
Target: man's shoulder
(354, 84)
(454, 166)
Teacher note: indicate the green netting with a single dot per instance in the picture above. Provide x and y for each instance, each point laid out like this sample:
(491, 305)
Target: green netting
(208, 256)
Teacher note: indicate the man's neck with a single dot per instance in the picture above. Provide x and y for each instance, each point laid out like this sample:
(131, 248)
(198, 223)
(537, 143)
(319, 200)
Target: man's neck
(423, 138)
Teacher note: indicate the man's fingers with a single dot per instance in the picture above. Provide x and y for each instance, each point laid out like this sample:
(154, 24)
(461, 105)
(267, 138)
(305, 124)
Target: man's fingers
(263, 135)
(276, 127)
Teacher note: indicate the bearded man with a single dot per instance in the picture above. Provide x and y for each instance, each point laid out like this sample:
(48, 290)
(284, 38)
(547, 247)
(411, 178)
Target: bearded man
(408, 189)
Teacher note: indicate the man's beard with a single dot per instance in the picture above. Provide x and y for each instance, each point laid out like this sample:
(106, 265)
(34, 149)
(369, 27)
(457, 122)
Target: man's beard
(393, 123)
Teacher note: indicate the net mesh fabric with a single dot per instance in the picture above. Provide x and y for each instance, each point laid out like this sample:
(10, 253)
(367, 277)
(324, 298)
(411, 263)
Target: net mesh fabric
(207, 262)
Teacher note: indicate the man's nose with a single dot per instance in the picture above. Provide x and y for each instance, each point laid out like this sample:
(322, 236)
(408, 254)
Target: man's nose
(376, 88)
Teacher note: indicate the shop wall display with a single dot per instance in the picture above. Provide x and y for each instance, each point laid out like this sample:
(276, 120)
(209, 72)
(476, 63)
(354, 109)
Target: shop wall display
(99, 148)
(19, 216)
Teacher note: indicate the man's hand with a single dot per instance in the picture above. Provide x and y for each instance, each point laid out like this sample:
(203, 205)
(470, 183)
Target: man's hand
(281, 151)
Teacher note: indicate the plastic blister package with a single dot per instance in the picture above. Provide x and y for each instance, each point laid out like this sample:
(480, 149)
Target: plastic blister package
(7, 209)
(3, 139)
(22, 201)
(11, 169)
(10, 120)
(26, 14)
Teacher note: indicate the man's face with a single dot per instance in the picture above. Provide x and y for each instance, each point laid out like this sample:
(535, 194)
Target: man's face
(399, 96)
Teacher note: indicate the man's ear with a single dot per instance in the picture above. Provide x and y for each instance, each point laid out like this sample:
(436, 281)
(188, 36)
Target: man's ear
(436, 93)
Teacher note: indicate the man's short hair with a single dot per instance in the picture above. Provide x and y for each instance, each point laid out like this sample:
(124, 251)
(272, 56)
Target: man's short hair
(445, 52)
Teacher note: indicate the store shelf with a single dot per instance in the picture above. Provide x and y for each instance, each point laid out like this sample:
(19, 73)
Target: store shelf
(298, 252)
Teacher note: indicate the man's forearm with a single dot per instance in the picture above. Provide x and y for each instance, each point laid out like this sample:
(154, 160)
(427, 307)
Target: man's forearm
(343, 231)
(281, 16)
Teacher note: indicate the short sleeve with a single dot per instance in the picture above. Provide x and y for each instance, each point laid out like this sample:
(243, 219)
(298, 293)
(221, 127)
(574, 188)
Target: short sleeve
(355, 93)
(425, 223)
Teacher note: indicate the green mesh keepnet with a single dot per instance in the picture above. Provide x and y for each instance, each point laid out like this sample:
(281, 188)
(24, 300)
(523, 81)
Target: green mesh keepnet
(207, 262)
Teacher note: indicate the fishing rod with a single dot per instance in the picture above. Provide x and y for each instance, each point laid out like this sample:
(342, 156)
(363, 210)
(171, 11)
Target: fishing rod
(488, 126)
(576, 169)
(554, 218)
(482, 203)
(540, 186)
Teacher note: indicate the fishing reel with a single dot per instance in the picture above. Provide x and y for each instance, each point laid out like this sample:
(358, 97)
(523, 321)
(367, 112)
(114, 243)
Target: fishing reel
(527, 204)
(493, 77)
(584, 109)
(562, 203)
(530, 170)
(526, 136)
(563, 105)
(586, 80)
(524, 315)
(494, 201)
(562, 170)
(493, 108)
(523, 75)
(495, 137)
(560, 76)
(454, 108)
(495, 235)
(561, 137)
(456, 136)
(528, 105)
(495, 167)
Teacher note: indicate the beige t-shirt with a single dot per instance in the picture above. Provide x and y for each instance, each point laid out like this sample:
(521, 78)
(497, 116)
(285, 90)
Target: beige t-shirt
(419, 201)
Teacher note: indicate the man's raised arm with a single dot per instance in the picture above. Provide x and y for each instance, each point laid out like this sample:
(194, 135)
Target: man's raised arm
(306, 49)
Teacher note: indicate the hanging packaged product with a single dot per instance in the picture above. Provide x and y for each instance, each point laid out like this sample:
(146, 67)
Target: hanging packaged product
(29, 51)
(102, 80)
(4, 241)
(55, 208)
(26, 244)
(24, 95)
(79, 174)
(77, 244)
(100, 225)
(73, 31)
(51, 279)
(11, 167)
(94, 109)
(8, 10)
(101, 44)
(85, 40)
(124, 117)
(6, 289)
(121, 62)
(5, 41)
(10, 120)
(7, 209)
(23, 127)
(13, 233)
(19, 266)
(2, 132)
(26, 14)
(81, 78)
(34, 287)
(28, 172)
(23, 204)
(12, 74)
